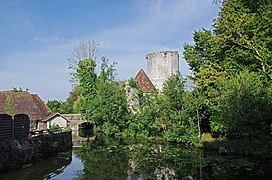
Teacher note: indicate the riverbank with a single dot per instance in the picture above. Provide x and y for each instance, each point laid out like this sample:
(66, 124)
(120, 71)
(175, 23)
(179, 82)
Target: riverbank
(246, 147)
(23, 151)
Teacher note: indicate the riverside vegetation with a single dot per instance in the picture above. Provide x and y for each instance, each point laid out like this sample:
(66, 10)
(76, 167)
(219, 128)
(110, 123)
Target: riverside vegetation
(228, 96)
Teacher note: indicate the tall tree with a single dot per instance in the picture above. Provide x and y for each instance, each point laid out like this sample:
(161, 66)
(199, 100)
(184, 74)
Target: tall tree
(240, 40)
(85, 50)
(100, 99)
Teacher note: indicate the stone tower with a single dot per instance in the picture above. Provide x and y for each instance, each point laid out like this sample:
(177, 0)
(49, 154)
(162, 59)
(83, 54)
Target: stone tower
(161, 65)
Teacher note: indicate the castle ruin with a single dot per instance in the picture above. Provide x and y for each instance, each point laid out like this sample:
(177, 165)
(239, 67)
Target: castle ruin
(161, 65)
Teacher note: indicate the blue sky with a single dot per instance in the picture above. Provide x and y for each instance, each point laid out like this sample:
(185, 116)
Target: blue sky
(37, 37)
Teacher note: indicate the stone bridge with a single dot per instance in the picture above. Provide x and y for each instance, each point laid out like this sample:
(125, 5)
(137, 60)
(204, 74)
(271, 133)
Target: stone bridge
(74, 120)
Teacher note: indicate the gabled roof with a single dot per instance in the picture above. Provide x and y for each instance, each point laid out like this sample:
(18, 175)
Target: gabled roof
(143, 81)
(26, 103)
(52, 116)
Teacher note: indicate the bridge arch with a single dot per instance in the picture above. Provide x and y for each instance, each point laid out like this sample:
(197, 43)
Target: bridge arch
(86, 129)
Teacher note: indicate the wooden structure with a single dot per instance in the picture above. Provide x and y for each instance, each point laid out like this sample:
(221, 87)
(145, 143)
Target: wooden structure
(13, 127)
(24, 103)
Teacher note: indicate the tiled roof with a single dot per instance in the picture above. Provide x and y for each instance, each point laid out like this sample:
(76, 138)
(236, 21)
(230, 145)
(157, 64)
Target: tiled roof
(143, 81)
(25, 103)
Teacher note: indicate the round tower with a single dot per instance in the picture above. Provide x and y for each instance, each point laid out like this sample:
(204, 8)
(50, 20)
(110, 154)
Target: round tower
(161, 65)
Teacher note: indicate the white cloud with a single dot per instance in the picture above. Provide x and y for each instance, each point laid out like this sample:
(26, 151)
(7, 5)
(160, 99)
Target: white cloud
(160, 25)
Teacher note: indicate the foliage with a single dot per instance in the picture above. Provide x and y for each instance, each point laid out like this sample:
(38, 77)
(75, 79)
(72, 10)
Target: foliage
(244, 107)
(58, 106)
(101, 100)
(55, 128)
(9, 106)
(132, 83)
(85, 50)
(177, 109)
(168, 115)
(232, 70)
(15, 89)
(241, 38)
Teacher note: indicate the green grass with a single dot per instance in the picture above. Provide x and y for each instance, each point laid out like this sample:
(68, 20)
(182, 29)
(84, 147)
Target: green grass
(239, 146)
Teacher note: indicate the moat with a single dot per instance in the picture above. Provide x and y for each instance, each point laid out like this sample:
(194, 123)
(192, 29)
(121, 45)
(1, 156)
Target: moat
(108, 158)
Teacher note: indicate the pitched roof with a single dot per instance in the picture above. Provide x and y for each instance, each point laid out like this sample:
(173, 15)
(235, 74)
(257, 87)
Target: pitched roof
(25, 103)
(52, 116)
(143, 81)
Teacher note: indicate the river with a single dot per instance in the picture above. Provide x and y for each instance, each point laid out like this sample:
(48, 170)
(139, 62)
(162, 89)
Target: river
(108, 158)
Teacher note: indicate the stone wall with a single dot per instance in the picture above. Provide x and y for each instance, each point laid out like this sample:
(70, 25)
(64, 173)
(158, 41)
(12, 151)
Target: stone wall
(161, 65)
(19, 152)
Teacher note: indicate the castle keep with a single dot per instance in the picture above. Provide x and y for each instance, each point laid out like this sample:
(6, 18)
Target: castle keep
(161, 65)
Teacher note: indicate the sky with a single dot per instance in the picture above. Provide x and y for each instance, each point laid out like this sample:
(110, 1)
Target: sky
(38, 36)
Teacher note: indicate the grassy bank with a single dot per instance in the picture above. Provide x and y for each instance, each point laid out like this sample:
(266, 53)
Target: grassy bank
(258, 148)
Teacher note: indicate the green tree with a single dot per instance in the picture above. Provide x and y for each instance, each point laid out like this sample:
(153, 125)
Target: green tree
(168, 115)
(53, 105)
(102, 100)
(240, 39)
(244, 107)
(110, 108)
(85, 50)
(58, 106)
(87, 80)
(73, 101)
(176, 106)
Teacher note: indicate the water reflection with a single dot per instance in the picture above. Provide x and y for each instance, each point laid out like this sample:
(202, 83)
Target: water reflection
(132, 159)
(44, 169)
(108, 158)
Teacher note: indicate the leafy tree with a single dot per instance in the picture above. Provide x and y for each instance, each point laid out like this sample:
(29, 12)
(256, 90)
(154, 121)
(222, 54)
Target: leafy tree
(143, 123)
(58, 106)
(110, 103)
(168, 115)
(85, 50)
(73, 101)
(176, 106)
(101, 100)
(53, 105)
(244, 107)
(240, 40)
(87, 80)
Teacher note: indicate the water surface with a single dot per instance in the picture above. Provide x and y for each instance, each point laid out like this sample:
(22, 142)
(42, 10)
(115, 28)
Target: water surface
(108, 158)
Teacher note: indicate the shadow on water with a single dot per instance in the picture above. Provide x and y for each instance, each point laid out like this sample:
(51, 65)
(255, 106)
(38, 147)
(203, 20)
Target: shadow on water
(43, 169)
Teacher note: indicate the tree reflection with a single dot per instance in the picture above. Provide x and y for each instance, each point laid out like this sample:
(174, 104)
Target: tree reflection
(109, 158)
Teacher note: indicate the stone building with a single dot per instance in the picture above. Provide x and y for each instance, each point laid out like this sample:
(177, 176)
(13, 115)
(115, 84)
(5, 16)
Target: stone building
(53, 119)
(160, 66)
